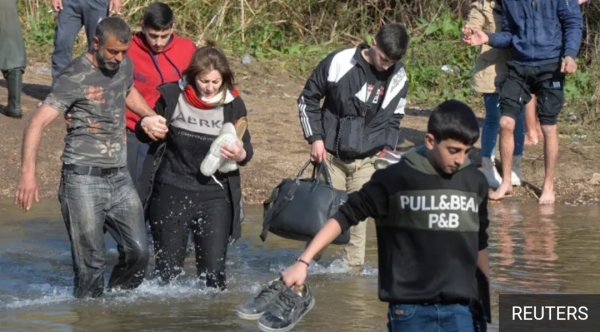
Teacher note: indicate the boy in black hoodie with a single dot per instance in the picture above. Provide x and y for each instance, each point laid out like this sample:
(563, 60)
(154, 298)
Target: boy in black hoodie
(431, 219)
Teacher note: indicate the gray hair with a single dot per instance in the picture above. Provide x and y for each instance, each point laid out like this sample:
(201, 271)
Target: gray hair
(113, 26)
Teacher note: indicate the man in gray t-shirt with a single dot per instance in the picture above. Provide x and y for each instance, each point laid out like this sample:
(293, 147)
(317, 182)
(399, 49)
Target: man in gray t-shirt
(96, 191)
(95, 100)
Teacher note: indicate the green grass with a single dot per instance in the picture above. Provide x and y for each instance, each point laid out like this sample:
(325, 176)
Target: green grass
(296, 35)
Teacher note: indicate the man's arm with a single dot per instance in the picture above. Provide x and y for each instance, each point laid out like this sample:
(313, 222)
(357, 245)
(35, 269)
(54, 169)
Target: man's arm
(309, 101)
(64, 94)
(136, 102)
(571, 20)
(27, 189)
(32, 135)
(502, 39)
(393, 128)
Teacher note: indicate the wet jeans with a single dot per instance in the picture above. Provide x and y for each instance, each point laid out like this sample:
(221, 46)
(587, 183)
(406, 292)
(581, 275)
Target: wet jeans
(90, 203)
(491, 127)
(74, 15)
(430, 318)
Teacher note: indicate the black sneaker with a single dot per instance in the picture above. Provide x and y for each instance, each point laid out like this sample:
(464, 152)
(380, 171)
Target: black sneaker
(287, 310)
(254, 308)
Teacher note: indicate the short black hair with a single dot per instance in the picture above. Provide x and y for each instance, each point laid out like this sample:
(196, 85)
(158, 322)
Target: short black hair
(158, 16)
(455, 120)
(113, 26)
(393, 40)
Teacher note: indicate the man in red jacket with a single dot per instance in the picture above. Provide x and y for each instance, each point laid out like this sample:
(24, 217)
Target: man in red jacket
(159, 56)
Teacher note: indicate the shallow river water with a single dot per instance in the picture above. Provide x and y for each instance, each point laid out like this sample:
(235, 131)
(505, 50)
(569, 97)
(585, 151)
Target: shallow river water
(533, 250)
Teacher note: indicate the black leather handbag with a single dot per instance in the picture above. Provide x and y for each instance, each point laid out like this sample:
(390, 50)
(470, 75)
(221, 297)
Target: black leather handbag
(299, 208)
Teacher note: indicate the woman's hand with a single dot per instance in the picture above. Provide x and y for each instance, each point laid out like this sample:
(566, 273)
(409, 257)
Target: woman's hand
(236, 152)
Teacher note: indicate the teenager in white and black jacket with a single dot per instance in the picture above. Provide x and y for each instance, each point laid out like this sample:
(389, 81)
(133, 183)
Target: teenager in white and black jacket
(354, 125)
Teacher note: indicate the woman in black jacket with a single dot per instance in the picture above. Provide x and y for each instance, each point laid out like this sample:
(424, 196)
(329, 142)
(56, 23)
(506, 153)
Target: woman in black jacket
(176, 196)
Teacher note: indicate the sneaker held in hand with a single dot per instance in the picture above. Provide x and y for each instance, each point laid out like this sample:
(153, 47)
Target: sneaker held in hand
(214, 160)
(255, 307)
(287, 310)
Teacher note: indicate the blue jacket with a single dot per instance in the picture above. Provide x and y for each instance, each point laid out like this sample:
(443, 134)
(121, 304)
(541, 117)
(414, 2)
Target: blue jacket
(539, 31)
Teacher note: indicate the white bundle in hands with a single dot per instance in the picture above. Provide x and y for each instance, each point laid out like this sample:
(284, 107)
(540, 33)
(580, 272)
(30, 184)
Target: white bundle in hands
(214, 160)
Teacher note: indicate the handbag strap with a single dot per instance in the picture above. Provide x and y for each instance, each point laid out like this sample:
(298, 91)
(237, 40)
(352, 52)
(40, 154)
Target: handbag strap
(299, 175)
(322, 169)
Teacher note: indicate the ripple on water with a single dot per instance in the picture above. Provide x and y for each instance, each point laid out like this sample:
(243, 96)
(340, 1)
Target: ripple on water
(531, 251)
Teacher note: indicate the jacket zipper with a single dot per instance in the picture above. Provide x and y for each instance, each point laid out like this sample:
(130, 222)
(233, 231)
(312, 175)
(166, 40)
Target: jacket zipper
(378, 114)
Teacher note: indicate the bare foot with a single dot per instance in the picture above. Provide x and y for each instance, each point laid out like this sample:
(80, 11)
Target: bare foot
(548, 197)
(505, 189)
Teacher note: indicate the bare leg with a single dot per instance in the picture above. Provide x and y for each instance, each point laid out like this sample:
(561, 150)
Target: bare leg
(531, 122)
(538, 127)
(550, 158)
(507, 147)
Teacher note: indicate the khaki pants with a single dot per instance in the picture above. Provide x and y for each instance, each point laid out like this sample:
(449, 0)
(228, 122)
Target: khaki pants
(351, 177)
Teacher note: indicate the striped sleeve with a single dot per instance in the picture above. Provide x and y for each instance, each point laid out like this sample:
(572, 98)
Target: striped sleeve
(309, 102)
(397, 94)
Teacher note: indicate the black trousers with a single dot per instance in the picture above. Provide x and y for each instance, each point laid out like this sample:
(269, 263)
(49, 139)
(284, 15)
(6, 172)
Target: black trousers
(173, 213)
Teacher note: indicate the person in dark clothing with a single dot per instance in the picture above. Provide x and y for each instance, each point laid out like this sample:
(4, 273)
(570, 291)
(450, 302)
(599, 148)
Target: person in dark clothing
(431, 217)
(176, 195)
(13, 58)
(364, 89)
(72, 15)
(544, 37)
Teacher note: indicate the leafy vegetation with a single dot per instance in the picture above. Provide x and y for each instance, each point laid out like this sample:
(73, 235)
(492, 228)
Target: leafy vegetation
(297, 34)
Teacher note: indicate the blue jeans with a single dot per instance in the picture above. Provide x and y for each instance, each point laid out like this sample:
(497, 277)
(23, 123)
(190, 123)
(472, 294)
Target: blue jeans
(429, 318)
(90, 204)
(74, 15)
(491, 127)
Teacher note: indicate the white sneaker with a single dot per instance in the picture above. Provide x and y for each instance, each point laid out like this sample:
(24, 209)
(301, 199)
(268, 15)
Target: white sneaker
(492, 176)
(213, 160)
(516, 171)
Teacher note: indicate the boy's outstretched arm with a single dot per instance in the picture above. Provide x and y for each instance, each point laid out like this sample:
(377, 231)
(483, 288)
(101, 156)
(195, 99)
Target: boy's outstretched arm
(370, 201)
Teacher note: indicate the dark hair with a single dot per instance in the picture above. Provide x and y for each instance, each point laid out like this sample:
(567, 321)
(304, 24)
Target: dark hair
(209, 58)
(113, 26)
(393, 40)
(158, 16)
(455, 120)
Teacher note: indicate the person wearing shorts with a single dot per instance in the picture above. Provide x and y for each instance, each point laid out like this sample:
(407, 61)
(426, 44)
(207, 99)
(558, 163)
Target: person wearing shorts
(543, 50)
